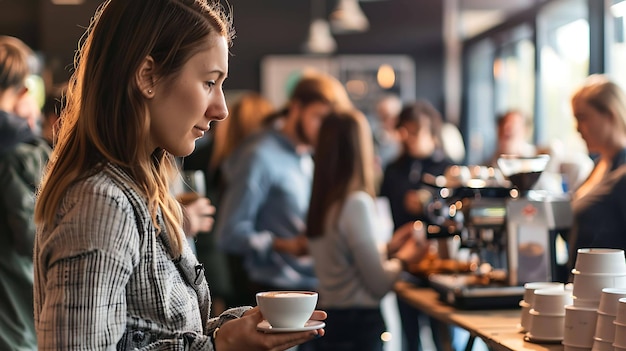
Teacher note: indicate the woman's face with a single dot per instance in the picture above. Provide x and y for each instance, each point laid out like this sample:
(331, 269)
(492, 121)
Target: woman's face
(310, 119)
(418, 140)
(595, 127)
(183, 106)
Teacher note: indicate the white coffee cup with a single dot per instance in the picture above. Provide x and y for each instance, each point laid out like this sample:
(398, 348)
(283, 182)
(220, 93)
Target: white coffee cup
(605, 329)
(589, 286)
(580, 326)
(551, 301)
(529, 289)
(600, 261)
(599, 345)
(287, 309)
(609, 300)
(549, 327)
(619, 339)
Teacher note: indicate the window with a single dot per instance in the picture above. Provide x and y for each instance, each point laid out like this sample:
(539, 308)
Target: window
(563, 41)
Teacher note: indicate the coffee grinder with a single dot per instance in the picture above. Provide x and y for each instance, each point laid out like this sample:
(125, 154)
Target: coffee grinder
(536, 221)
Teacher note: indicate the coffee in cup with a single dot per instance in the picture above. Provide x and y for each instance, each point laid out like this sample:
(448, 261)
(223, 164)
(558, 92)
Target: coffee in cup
(287, 309)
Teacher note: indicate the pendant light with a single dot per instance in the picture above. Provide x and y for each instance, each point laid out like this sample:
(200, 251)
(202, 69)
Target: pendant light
(320, 39)
(347, 17)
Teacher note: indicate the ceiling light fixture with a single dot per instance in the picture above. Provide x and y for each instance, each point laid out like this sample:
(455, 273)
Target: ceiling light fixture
(320, 39)
(348, 17)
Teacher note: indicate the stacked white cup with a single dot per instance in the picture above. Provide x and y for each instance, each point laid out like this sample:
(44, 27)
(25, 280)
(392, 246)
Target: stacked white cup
(605, 329)
(529, 296)
(619, 338)
(595, 269)
(547, 317)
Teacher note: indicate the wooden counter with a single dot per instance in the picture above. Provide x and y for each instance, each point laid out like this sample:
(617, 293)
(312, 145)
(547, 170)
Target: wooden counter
(498, 328)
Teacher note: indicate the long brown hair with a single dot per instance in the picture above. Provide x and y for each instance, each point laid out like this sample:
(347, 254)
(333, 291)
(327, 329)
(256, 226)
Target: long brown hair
(105, 119)
(344, 163)
(245, 117)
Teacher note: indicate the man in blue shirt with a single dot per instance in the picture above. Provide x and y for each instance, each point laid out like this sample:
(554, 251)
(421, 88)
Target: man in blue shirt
(262, 215)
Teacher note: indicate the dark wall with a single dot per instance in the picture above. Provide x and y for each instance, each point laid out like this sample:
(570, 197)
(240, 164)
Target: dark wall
(264, 27)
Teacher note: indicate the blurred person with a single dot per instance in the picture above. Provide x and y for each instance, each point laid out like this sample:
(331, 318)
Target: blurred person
(23, 156)
(566, 169)
(263, 211)
(197, 214)
(512, 136)
(599, 206)
(112, 267)
(51, 113)
(28, 108)
(224, 272)
(452, 142)
(386, 138)
(419, 126)
(354, 270)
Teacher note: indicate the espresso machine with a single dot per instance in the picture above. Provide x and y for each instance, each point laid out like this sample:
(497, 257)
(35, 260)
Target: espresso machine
(537, 222)
(510, 230)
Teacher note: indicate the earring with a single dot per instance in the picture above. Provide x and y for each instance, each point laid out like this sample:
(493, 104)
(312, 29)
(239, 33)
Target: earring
(149, 91)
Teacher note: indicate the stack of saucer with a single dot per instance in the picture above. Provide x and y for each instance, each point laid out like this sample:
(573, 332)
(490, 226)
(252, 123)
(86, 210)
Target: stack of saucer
(619, 338)
(595, 269)
(547, 317)
(529, 296)
(605, 330)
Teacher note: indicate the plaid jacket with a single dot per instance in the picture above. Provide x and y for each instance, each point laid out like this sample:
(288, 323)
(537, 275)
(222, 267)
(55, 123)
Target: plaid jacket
(104, 280)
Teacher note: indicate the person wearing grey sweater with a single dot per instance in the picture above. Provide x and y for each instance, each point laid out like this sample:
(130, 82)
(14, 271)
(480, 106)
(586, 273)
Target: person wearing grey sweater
(354, 270)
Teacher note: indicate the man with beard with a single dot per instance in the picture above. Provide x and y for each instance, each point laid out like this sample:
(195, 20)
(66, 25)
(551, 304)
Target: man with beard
(262, 214)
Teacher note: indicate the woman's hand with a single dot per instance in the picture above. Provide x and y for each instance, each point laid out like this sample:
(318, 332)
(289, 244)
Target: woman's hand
(241, 334)
(399, 237)
(296, 246)
(416, 201)
(412, 251)
(408, 243)
(198, 213)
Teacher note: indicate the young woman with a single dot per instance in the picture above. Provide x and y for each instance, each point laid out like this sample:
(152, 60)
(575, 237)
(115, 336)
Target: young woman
(354, 271)
(112, 266)
(599, 204)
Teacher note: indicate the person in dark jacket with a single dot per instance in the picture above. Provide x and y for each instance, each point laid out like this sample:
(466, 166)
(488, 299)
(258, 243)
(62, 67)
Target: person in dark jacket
(419, 126)
(23, 156)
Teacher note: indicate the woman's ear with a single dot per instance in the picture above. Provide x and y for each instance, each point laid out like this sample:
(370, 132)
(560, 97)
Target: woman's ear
(146, 77)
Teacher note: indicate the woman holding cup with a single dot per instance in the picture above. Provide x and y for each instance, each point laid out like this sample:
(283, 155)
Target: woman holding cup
(112, 267)
(354, 272)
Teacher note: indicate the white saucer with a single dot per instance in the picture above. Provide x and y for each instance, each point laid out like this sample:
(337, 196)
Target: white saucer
(311, 324)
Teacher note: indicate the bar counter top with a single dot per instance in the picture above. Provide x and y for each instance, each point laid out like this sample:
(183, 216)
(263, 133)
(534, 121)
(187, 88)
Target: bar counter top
(498, 328)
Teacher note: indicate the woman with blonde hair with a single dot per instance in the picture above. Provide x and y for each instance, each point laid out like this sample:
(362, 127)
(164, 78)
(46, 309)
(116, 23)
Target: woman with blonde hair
(354, 270)
(112, 267)
(599, 204)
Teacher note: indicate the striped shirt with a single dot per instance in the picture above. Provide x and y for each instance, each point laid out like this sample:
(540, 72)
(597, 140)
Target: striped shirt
(104, 279)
